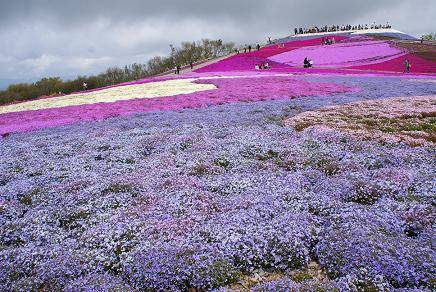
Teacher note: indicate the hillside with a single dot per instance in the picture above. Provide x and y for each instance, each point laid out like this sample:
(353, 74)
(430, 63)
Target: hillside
(230, 177)
(357, 55)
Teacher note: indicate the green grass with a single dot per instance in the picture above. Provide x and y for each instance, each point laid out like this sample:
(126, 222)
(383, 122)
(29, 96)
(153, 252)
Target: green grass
(200, 170)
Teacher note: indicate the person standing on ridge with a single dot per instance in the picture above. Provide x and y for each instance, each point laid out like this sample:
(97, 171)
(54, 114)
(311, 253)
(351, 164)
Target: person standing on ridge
(249, 48)
(407, 66)
(258, 47)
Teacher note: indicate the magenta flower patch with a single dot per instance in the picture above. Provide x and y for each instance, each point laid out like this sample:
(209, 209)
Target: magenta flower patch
(341, 55)
(229, 90)
(418, 65)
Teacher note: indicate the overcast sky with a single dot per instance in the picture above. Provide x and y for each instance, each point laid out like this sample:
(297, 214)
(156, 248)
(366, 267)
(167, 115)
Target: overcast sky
(69, 37)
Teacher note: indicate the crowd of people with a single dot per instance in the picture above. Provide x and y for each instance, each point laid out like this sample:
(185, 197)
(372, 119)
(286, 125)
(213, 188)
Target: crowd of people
(248, 49)
(308, 63)
(328, 41)
(333, 28)
(262, 66)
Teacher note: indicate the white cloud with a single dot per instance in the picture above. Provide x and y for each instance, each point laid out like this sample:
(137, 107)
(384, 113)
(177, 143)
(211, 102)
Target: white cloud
(85, 64)
(5, 59)
(40, 64)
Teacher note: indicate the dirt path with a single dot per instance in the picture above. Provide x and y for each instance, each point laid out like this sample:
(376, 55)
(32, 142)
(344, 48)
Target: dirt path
(199, 65)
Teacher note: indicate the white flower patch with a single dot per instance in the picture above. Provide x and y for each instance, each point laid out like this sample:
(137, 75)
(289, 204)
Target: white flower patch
(113, 94)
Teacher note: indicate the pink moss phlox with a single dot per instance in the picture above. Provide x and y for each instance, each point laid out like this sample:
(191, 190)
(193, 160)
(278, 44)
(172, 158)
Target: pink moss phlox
(419, 65)
(229, 90)
(247, 61)
(341, 55)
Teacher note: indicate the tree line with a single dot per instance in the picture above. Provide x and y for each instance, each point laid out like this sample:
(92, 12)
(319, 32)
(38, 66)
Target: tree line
(429, 37)
(186, 53)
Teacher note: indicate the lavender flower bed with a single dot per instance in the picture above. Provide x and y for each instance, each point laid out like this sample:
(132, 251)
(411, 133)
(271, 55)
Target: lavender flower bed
(194, 198)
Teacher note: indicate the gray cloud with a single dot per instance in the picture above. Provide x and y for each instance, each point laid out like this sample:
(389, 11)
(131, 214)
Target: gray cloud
(66, 38)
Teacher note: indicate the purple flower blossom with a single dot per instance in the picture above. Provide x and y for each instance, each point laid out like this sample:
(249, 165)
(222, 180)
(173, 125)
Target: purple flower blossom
(196, 197)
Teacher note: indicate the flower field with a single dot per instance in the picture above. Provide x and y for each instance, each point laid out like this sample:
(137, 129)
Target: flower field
(99, 105)
(229, 178)
(418, 65)
(409, 119)
(341, 55)
(113, 94)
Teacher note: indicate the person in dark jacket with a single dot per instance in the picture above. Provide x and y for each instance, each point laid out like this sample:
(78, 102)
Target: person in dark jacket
(307, 63)
(407, 66)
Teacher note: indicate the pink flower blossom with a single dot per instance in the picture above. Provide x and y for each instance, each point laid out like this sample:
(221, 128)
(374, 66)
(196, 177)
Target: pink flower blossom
(341, 55)
(229, 90)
